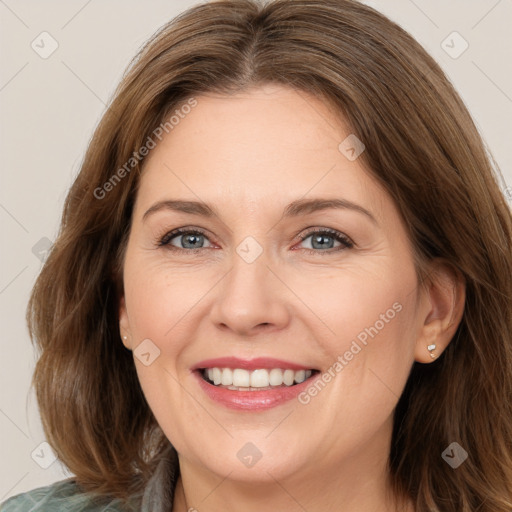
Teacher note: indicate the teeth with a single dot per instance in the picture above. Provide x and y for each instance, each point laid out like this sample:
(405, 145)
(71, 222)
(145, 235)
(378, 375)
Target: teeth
(241, 378)
(300, 376)
(217, 376)
(276, 377)
(288, 377)
(227, 377)
(262, 378)
(259, 379)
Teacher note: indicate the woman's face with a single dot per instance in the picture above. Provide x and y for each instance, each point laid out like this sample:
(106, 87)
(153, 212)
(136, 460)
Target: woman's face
(273, 281)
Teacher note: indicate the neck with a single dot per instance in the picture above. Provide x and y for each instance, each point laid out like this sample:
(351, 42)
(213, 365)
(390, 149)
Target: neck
(230, 496)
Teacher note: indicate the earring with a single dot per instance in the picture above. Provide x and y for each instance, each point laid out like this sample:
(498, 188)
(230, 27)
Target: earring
(431, 349)
(125, 338)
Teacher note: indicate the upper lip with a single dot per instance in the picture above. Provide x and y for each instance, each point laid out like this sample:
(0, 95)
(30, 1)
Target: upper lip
(249, 364)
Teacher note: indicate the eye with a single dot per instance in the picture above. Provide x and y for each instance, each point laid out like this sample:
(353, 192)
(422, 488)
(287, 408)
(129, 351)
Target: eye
(191, 239)
(322, 240)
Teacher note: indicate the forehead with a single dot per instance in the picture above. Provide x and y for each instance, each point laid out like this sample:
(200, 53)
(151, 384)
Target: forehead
(267, 145)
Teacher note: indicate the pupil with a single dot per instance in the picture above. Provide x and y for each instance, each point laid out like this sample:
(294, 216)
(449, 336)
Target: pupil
(192, 238)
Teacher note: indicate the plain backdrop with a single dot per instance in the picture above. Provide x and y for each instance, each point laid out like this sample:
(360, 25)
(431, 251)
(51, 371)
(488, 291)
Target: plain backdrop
(51, 102)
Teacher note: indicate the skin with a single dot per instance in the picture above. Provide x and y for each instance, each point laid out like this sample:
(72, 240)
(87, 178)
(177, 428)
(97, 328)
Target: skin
(249, 155)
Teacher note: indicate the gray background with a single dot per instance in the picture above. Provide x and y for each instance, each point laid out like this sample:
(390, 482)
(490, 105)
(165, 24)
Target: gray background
(50, 106)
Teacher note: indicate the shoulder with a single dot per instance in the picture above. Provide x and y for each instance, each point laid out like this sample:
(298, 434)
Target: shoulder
(62, 496)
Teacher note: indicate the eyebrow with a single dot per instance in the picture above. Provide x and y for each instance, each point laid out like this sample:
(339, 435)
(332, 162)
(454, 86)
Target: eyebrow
(294, 209)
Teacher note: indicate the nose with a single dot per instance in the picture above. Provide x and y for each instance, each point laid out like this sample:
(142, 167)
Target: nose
(251, 299)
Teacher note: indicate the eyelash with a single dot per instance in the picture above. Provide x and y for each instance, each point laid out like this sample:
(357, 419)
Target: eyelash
(340, 237)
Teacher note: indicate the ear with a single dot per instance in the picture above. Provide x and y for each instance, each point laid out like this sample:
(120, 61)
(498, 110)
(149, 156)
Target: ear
(444, 296)
(124, 324)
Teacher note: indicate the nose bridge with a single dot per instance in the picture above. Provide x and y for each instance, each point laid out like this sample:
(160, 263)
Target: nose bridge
(250, 274)
(250, 295)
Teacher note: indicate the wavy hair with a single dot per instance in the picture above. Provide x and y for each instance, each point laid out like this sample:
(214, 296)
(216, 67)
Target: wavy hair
(421, 145)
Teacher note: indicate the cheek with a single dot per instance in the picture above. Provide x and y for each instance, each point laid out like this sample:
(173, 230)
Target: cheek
(370, 313)
(369, 358)
(157, 307)
(159, 298)
(362, 302)
(380, 349)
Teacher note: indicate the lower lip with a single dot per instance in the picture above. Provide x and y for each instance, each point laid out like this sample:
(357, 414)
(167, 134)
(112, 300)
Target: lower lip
(252, 400)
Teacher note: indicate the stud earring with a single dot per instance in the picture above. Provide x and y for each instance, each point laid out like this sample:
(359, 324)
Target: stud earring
(125, 338)
(431, 349)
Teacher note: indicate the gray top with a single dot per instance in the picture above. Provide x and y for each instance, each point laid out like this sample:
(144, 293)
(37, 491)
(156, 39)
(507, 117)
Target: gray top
(66, 496)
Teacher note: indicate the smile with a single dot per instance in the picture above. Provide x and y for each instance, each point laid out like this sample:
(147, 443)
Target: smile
(252, 385)
(240, 379)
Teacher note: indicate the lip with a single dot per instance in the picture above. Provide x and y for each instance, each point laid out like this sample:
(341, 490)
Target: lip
(252, 400)
(249, 364)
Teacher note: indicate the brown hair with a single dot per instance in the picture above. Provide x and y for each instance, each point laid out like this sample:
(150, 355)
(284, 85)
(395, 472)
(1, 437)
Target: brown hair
(421, 144)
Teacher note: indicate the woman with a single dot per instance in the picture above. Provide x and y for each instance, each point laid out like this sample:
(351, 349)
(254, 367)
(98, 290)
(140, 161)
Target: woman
(283, 279)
